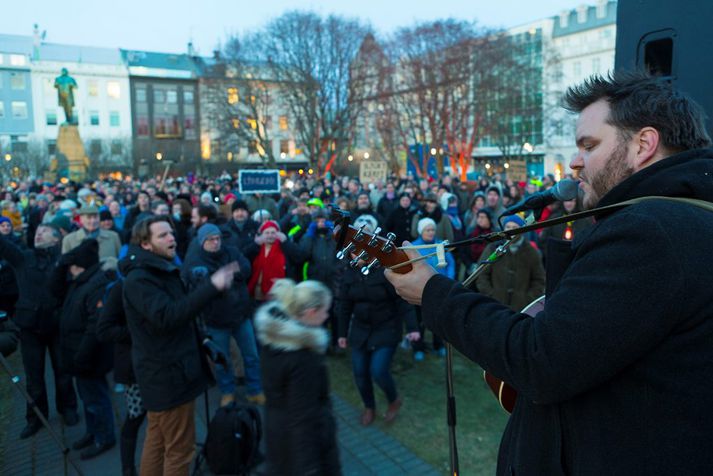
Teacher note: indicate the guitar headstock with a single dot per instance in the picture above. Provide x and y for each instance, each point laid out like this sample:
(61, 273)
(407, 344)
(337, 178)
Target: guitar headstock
(376, 251)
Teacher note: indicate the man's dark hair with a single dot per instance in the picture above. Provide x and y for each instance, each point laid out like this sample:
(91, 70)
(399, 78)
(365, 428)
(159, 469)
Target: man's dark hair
(637, 100)
(208, 211)
(141, 232)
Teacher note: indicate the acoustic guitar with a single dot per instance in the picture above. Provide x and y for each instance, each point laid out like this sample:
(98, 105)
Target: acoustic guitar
(369, 250)
(504, 393)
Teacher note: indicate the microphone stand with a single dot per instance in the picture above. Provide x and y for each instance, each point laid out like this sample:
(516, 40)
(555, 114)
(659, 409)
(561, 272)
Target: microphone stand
(451, 399)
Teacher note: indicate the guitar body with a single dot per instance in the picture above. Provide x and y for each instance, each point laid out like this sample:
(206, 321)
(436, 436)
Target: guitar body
(505, 394)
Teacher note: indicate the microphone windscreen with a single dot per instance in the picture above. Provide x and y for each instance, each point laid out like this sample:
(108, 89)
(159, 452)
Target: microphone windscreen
(565, 189)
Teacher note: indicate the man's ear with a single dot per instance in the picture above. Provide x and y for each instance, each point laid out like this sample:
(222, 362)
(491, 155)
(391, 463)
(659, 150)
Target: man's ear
(648, 148)
(146, 245)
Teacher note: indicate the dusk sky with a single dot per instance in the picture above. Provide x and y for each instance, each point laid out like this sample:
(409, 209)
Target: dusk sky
(167, 26)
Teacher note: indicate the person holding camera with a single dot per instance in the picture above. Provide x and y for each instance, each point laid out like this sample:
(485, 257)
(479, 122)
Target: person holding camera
(167, 348)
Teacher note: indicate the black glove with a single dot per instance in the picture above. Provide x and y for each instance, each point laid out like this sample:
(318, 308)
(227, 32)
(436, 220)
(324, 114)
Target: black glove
(214, 353)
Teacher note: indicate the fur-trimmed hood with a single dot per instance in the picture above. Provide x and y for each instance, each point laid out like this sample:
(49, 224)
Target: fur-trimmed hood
(277, 329)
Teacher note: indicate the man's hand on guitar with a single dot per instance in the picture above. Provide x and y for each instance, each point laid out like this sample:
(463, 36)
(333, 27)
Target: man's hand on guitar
(410, 285)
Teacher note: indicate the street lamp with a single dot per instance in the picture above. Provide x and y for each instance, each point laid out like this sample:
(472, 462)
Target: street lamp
(159, 156)
(350, 158)
(527, 147)
(8, 157)
(366, 155)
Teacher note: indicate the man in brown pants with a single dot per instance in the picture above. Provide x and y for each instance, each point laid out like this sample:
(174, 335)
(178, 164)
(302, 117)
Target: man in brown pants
(169, 362)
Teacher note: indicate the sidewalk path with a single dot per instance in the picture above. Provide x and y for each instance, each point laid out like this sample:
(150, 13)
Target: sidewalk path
(363, 451)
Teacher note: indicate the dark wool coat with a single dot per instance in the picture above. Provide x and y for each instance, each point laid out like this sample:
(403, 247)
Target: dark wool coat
(81, 353)
(300, 429)
(370, 312)
(112, 327)
(516, 279)
(233, 306)
(243, 239)
(37, 309)
(399, 223)
(320, 251)
(614, 376)
(171, 368)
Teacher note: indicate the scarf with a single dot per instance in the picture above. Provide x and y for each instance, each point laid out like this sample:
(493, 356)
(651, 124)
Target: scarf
(270, 267)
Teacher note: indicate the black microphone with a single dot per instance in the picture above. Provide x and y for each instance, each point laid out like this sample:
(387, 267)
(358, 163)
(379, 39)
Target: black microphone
(563, 190)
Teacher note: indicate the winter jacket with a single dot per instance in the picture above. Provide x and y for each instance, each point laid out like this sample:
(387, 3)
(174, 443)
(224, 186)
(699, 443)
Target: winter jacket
(112, 327)
(319, 251)
(170, 366)
(81, 353)
(614, 375)
(233, 306)
(109, 243)
(449, 270)
(241, 238)
(386, 205)
(516, 279)
(37, 309)
(9, 337)
(370, 312)
(8, 280)
(300, 429)
(399, 223)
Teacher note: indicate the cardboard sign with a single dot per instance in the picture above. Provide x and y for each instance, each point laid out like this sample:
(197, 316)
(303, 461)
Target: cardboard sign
(259, 181)
(517, 171)
(373, 170)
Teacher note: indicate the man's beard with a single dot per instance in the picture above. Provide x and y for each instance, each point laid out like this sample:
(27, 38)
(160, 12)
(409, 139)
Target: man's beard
(614, 172)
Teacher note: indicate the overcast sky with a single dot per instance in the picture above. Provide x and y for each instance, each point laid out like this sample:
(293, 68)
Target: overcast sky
(167, 26)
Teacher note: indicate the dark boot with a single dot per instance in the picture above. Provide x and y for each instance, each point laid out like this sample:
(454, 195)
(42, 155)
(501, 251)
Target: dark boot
(30, 429)
(95, 450)
(83, 442)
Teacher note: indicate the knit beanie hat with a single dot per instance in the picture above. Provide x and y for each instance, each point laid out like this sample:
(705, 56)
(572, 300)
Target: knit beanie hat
(4, 219)
(239, 204)
(207, 230)
(515, 219)
(269, 224)
(105, 215)
(85, 255)
(424, 222)
(61, 222)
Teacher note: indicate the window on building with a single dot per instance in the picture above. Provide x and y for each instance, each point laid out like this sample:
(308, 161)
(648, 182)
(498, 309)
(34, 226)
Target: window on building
(172, 97)
(252, 147)
(2, 110)
(18, 144)
(140, 94)
(18, 60)
(235, 122)
(51, 147)
(284, 147)
(114, 120)
(142, 125)
(1, 58)
(95, 147)
(94, 118)
(117, 147)
(51, 118)
(268, 122)
(577, 70)
(17, 80)
(159, 96)
(283, 123)
(596, 65)
(251, 122)
(113, 89)
(189, 126)
(93, 88)
(187, 97)
(19, 110)
(233, 96)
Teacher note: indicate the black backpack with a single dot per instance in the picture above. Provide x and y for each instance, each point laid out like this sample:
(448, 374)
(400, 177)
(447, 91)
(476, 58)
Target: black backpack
(232, 444)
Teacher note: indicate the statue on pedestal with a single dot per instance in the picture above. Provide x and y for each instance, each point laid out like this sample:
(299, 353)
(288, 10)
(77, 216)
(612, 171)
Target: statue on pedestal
(65, 84)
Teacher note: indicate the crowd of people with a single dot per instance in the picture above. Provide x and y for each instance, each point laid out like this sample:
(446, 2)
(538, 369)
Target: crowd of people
(147, 278)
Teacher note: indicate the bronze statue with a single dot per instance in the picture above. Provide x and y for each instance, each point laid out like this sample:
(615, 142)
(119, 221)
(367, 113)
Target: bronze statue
(65, 84)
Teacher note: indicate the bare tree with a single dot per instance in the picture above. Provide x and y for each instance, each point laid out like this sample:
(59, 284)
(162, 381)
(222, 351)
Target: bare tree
(311, 58)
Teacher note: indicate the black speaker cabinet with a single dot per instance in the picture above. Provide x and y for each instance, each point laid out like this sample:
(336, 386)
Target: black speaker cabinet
(673, 39)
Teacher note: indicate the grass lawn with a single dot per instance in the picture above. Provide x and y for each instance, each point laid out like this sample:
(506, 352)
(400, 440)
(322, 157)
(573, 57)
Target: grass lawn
(421, 424)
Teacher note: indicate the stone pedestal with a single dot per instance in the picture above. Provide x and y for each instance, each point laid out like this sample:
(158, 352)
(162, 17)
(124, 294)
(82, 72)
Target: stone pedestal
(70, 145)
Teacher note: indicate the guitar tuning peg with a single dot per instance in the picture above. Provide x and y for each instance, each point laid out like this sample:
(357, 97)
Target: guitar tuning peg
(341, 254)
(389, 245)
(359, 235)
(361, 256)
(367, 269)
(375, 237)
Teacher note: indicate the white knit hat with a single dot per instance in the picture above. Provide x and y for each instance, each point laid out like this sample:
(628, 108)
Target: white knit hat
(424, 222)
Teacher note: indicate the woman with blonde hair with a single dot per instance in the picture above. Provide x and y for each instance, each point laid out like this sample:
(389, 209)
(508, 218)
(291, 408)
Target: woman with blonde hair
(300, 428)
